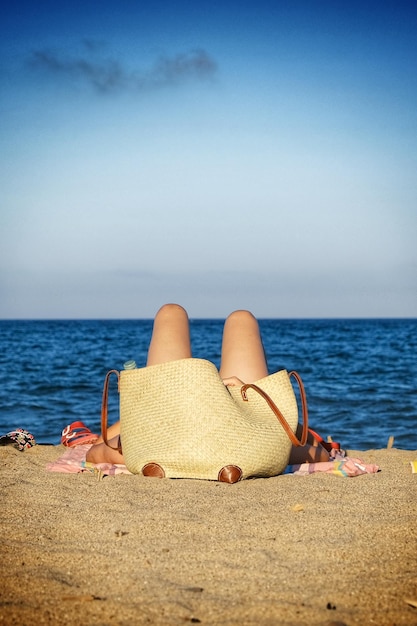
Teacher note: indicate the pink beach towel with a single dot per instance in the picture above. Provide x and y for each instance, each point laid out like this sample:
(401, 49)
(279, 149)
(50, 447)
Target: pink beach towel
(73, 462)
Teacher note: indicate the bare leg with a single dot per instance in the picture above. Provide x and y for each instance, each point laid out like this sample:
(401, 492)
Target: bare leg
(243, 361)
(243, 355)
(312, 452)
(171, 335)
(170, 341)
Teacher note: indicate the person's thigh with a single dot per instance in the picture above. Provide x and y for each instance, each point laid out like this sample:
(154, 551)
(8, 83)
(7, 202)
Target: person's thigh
(170, 336)
(243, 353)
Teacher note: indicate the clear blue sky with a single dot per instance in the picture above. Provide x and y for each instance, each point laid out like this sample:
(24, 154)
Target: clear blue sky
(220, 154)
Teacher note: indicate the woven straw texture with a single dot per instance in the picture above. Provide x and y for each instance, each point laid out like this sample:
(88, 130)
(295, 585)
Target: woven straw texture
(180, 415)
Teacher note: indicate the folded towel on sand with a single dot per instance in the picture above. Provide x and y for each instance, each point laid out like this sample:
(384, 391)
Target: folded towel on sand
(73, 462)
(346, 466)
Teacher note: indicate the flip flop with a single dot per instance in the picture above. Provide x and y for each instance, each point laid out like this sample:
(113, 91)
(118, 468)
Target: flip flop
(327, 445)
(19, 438)
(77, 434)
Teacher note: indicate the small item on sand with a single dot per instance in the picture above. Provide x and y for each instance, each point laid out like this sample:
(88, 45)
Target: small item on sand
(413, 467)
(19, 438)
(410, 601)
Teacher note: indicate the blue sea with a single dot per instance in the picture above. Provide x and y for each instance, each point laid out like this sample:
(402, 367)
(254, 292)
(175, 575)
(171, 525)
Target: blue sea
(360, 375)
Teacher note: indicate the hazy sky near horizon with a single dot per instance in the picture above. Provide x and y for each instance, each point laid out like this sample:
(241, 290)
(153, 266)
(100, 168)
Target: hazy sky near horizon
(222, 154)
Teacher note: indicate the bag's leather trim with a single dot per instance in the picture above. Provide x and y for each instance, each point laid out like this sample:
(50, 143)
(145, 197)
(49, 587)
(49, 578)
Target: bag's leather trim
(293, 438)
(229, 474)
(104, 409)
(154, 470)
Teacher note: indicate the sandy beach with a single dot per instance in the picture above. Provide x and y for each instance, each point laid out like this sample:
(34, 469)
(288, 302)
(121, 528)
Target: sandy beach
(290, 550)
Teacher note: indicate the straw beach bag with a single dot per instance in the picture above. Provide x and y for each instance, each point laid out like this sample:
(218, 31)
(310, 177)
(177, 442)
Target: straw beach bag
(178, 420)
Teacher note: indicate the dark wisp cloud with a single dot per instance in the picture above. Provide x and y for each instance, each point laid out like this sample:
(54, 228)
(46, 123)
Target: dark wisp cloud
(109, 75)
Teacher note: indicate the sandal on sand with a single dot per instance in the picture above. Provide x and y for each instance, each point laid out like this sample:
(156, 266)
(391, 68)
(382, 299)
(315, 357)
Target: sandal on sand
(327, 445)
(77, 434)
(19, 438)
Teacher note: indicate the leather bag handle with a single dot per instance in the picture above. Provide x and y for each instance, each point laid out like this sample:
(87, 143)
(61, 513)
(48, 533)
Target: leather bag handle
(294, 439)
(104, 407)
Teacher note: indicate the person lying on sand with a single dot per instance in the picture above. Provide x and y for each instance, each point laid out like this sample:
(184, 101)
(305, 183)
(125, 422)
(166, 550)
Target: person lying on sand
(242, 361)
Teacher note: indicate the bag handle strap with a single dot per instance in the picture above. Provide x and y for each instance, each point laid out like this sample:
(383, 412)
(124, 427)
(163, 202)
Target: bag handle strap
(294, 439)
(104, 406)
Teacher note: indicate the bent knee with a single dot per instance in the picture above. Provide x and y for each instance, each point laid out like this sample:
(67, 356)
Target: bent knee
(170, 310)
(241, 316)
